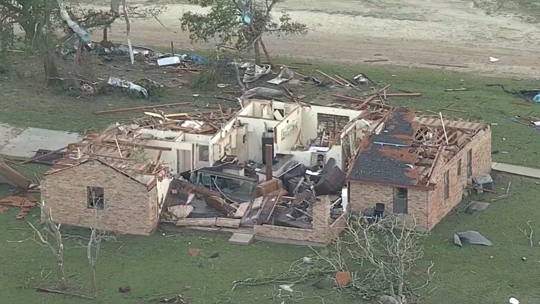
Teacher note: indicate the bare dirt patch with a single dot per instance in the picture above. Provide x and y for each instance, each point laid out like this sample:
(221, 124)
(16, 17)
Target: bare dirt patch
(407, 33)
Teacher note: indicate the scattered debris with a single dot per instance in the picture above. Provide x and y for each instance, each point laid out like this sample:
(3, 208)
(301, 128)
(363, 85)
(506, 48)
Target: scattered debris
(124, 289)
(343, 279)
(284, 75)
(386, 299)
(141, 108)
(25, 204)
(477, 206)
(168, 61)
(47, 290)
(254, 72)
(193, 252)
(117, 82)
(528, 233)
(287, 287)
(472, 237)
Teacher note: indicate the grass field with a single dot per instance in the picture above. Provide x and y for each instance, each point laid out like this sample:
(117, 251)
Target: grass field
(161, 265)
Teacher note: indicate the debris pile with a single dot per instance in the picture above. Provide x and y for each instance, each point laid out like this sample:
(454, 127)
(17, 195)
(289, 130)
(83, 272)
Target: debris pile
(234, 201)
(22, 196)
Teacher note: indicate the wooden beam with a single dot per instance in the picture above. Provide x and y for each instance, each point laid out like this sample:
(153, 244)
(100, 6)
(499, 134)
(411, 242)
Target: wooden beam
(141, 108)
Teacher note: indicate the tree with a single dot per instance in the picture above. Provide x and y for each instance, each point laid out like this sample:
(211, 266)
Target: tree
(391, 247)
(244, 24)
(372, 260)
(56, 246)
(97, 235)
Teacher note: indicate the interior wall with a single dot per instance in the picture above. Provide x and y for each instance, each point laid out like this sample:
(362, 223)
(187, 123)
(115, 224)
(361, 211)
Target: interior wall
(308, 158)
(310, 122)
(180, 156)
(288, 129)
(255, 128)
(240, 151)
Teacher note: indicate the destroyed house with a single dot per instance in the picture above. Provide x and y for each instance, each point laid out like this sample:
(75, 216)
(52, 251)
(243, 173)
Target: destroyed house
(296, 133)
(417, 166)
(105, 181)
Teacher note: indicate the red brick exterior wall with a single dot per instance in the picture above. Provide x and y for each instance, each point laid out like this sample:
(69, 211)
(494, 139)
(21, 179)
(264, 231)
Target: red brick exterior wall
(438, 206)
(429, 206)
(130, 211)
(363, 196)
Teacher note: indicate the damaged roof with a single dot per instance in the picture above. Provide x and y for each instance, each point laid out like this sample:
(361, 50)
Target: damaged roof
(388, 157)
(120, 150)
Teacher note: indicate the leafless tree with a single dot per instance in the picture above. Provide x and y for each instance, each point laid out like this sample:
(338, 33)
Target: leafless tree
(97, 235)
(390, 248)
(55, 245)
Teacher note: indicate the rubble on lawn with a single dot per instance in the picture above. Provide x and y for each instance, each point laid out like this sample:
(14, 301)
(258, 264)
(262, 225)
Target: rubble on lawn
(22, 195)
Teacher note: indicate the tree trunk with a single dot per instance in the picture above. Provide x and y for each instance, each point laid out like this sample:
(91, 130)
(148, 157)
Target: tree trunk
(93, 280)
(257, 50)
(62, 283)
(52, 77)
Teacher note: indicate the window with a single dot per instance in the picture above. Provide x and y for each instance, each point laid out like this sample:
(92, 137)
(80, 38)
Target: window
(204, 152)
(459, 167)
(446, 185)
(469, 163)
(95, 198)
(401, 204)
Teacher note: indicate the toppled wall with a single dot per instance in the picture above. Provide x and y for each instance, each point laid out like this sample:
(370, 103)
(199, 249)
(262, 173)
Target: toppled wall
(323, 232)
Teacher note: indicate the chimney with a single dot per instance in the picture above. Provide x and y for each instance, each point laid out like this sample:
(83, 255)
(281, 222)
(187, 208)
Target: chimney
(269, 160)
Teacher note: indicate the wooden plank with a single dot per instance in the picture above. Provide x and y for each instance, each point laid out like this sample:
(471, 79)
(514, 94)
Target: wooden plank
(242, 209)
(141, 108)
(14, 176)
(209, 222)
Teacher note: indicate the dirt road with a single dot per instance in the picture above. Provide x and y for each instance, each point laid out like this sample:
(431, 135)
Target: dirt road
(407, 33)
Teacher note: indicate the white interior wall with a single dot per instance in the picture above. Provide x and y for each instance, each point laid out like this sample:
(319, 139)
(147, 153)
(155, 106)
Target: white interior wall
(162, 188)
(202, 143)
(179, 159)
(310, 122)
(308, 158)
(255, 128)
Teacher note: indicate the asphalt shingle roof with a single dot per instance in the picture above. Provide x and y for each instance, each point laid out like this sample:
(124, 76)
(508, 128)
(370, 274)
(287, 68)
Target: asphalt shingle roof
(388, 157)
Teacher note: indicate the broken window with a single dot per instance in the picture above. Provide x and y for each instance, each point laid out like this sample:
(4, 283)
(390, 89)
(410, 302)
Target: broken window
(401, 204)
(446, 185)
(204, 153)
(469, 163)
(95, 198)
(459, 167)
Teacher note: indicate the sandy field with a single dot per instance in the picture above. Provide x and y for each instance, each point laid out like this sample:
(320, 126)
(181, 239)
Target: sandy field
(412, 33)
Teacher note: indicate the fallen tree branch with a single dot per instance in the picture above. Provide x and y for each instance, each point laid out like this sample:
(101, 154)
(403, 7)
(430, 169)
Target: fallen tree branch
(528, 234)
(46, 290)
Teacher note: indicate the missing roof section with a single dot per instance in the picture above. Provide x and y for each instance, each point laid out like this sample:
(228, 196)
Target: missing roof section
(388, 157)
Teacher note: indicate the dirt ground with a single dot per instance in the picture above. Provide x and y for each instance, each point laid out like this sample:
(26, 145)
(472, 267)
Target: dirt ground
(407, 33)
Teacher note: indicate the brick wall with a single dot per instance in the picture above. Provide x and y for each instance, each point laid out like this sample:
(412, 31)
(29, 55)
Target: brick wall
(363, 196)
(130, 209)
(481, 164)
(323, 232)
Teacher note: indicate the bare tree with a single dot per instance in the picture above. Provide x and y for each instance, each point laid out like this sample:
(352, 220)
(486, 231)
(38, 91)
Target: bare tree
(390, 248)
(376, 257)
(97, 235)
(56, 245)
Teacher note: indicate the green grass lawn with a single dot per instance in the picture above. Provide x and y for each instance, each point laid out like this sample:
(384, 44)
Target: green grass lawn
(161, 265)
